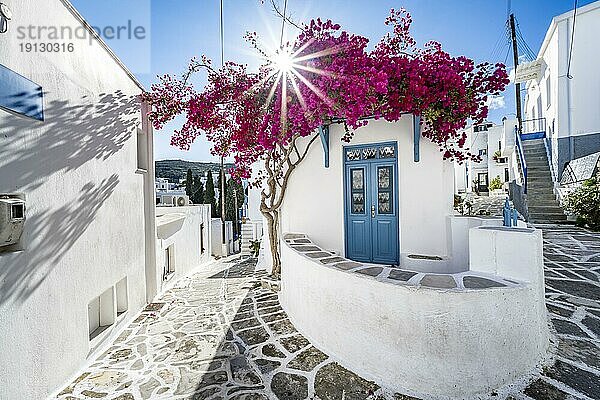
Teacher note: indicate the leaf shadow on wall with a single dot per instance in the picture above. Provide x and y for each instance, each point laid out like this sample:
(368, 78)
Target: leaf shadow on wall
(70, 136)
(51, 234)
(32, 153)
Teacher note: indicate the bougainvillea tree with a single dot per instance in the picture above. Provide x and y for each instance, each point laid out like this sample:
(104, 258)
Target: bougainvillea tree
(271, 116)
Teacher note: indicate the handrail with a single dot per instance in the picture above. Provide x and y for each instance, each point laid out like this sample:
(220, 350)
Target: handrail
(519, 146)
(533, 125)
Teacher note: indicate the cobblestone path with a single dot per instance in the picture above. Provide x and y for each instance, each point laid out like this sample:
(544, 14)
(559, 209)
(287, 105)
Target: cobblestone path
(572, 261)
(219, 335)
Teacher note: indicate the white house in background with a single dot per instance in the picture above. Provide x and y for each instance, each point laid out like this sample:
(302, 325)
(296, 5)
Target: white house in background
(375, 267)
(487, 141)
(566, 99)
(183, 241)
(163, 185)
(86, 260)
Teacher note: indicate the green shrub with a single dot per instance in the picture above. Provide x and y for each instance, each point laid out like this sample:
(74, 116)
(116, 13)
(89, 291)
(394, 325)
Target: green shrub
(254, 247)
(495, 183)
(585, 203)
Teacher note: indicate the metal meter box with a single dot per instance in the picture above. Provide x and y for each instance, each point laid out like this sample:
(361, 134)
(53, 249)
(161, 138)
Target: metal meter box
(12, 220)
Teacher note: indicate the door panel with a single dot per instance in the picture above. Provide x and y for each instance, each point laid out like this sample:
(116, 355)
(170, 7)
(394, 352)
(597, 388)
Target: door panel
(358, 224)
(384, 222)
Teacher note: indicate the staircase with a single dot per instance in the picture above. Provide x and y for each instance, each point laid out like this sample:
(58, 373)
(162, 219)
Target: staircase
(247, 236)
(541, 201)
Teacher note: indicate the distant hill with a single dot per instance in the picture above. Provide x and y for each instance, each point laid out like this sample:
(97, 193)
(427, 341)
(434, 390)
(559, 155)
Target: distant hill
(174, 170)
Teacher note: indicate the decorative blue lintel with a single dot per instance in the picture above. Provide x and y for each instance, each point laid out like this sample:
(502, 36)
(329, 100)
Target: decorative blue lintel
(417, 136)
(324, 133)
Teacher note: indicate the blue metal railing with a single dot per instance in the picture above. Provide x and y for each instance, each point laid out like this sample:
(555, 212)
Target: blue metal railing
(519, 145)
(533, 129)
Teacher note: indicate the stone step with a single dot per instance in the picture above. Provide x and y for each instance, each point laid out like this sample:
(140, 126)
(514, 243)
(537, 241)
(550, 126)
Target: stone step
(540, 198)
(542, 164)
(539, 173)
(547, 218)
(530, 154)
(536, 160)
(539, 183)
(545, 211)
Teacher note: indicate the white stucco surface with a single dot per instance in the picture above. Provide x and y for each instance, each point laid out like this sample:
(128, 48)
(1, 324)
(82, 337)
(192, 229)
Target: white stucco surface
(86, 211)
(442, 342)
(314, 202)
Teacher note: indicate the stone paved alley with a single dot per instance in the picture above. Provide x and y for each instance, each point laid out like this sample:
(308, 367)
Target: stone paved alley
(219, 335)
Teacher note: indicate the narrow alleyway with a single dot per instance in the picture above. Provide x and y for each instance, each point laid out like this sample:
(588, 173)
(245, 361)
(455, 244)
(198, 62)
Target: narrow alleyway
(219, 335)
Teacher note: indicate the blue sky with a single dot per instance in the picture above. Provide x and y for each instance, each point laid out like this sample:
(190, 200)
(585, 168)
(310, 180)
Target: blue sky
(180, 29)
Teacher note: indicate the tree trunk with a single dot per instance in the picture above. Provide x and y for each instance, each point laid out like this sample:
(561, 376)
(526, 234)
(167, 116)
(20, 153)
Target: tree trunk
(278, 168)
(273, 231)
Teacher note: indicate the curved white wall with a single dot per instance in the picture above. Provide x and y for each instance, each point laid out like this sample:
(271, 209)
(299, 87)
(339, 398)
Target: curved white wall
(437, 342)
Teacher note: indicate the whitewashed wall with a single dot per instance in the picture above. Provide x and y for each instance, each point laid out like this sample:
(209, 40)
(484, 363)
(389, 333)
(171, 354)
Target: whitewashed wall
(314, 202)
(185, 239)
(85, 204)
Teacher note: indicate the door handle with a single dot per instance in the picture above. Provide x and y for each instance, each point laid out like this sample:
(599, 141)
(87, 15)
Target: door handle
(372, 211)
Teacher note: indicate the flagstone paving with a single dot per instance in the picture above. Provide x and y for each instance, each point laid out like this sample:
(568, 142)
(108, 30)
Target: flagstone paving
(219, 335)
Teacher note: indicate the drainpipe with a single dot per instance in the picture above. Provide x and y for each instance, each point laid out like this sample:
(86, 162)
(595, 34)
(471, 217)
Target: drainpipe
(569, 113)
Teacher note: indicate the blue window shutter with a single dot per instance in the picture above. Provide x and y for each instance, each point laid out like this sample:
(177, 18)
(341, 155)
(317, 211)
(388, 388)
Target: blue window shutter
(20, 95)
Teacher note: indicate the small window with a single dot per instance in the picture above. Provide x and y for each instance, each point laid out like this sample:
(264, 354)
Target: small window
(17, 211)
(142, 151)
(548, 92)
(202, 239)
(506, 175)
(122, 297)
(101, 313)
(482, 152)
(357, 179)
(169, 266)
(385, 197)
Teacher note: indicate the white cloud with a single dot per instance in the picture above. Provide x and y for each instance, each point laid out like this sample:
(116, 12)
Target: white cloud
(496, 102)
(511, 75)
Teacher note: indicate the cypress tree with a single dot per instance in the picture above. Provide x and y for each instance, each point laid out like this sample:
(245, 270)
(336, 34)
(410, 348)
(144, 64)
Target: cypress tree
(209, 194)
(198, 193)
(189, 183)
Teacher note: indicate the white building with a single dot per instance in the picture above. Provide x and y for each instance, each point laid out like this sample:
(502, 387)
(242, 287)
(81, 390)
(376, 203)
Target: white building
(75, 147)
(371, 241)
(566, 94)
(485, 140)
(163, 185)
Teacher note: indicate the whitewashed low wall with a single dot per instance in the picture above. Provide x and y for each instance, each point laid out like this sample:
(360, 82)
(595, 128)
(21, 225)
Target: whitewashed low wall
(460, 226)
(453, 342)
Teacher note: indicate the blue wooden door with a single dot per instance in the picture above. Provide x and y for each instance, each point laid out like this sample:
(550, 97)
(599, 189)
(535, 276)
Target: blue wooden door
(371, 203)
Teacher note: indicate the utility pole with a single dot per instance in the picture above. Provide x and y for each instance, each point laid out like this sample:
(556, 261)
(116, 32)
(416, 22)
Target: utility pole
(223, 194)
(235, 207)
(224, 243)
(513, 37)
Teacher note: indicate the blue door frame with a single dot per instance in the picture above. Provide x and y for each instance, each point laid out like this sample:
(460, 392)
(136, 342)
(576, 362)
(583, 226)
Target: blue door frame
(371, 203)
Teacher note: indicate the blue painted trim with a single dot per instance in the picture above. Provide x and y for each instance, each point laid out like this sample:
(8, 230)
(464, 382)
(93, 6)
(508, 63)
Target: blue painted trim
(20, 95)
(417, 137)
(533, 135)
(324, 133)
(351, 164)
